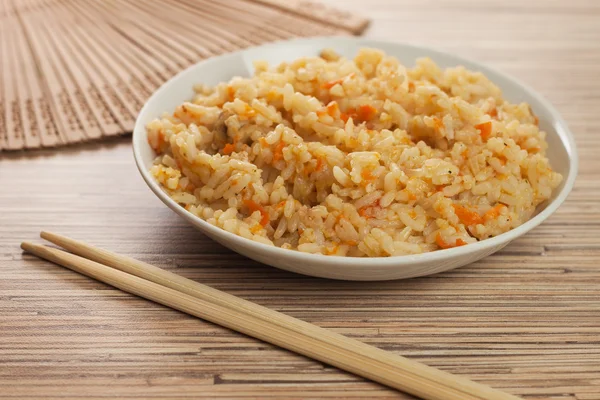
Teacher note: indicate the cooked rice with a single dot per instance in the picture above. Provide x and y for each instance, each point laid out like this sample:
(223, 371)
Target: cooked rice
(360, 157)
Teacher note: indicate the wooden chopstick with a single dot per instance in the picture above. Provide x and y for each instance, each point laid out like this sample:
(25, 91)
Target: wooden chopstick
(185, 295)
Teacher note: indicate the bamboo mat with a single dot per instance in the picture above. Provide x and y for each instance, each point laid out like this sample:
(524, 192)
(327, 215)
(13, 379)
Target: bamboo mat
(78, 70)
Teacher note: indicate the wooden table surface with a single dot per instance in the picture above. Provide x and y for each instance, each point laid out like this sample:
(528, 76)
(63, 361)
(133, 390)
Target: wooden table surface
(525, 320)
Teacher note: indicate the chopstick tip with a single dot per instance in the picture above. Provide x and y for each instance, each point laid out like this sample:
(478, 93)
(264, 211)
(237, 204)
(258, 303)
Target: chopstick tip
(27, 246)
(46, 234)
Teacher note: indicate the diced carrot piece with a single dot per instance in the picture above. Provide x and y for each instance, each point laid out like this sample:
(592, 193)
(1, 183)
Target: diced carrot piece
(485, 129)
(440, 242)
(320, 164)
(265, 218)
(365, 212)
(467, 216)
(248, 112)
(362, 113)
(271, 95)
(228, 149)
(493, 212)
(367, 175)
(330, 84)
(493, 112)
(254, 206)
(332, 108)
(332, 250)
(411, 87)
(278, 153)
(366, 112)
(230, 93)
(352, 142)
(159, 142)
(445, 245)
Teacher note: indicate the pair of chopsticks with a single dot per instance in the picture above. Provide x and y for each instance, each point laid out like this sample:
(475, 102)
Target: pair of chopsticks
(202, 301)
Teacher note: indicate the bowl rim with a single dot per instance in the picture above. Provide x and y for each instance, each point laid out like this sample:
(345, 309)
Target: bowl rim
(560, 126)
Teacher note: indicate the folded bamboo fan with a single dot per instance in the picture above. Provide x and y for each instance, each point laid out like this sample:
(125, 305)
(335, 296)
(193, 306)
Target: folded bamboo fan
(78, 70)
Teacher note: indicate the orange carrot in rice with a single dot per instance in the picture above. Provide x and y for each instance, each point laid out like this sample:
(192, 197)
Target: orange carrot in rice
(438, 124)
(466, 216)
(256, 228)
(363, 113)
(332, 108)
(366, 112)
(441, 242)
(322, 113)
(330, 84)
(367, 175)
(248, 112)
(332, 250)
(485, 130)
(278, 152)
(228, 149)
(254, 206)
(320, 164)
(364, 212)
(445, 245)
(159, 142)
(230, 93)
(493, 212)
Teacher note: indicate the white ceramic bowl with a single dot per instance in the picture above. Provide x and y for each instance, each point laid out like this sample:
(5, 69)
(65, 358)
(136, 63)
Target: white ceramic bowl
(562, 154)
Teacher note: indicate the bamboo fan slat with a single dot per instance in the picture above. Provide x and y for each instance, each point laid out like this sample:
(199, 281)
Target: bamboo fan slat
(72, 71)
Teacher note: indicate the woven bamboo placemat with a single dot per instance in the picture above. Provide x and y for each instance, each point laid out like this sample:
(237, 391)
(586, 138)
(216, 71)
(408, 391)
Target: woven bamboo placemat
(78, 70)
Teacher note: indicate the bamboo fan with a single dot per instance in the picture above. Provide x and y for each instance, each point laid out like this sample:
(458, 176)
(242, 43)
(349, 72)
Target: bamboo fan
(78, 70)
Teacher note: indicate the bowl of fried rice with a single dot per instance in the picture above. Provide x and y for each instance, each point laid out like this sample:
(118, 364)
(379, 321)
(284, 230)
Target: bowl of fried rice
(354, 159)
